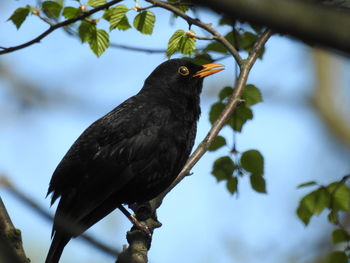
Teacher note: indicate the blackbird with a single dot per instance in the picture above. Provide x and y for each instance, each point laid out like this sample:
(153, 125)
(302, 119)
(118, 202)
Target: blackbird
(131, 154)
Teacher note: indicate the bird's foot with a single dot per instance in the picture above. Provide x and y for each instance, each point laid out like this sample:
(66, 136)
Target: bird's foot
(140, 225)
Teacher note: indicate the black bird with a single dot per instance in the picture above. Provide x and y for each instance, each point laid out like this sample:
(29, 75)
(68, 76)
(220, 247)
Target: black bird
(131, 154)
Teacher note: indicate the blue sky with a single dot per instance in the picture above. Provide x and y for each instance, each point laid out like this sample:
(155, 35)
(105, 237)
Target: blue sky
(202, 222)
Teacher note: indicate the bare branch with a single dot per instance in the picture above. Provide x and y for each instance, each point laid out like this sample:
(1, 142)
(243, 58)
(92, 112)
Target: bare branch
(59, 25)
(5, 183)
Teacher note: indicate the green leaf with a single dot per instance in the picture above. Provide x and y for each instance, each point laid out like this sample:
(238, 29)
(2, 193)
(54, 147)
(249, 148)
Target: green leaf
(252, 161)
(310, 183)
(313, 203)
(339, 236)
(71, 12)
(333, 217)
(144, 22)
(200, 59)
(51, 9)
(216, 47)
(337, 257)
(232, 184)
(340, 195)
(226, 20)
(95, 3)
(251, 95)
(322, 200)
(218, 142)
(225, 93)
(124, 24)
(304, 213)
(183, 8)
(223, 168)
(258, 183)
(181, 41)
(241, 115)
(116, 17)
(215, 111)
(99, 42)
(86, 31)
(247, 40)
(19, 16)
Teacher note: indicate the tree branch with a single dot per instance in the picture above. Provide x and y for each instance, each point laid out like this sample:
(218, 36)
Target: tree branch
(5, 183)
(310, 22)
(58, 25)
(11, 249)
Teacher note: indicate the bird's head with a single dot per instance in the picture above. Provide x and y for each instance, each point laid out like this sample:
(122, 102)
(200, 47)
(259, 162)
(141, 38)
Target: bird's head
(180, 76)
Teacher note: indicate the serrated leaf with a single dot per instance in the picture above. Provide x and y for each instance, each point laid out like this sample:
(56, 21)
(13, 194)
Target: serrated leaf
(258, 183)
(218, 142)
(116, 17)
(180, 41)
(19, 15)
(252, 161)
(337, 257)
(241, 115)
(225, 93)
(99, 42)
(232, 184)
(144, 22)
(51, 8)
(251, 95)
(340, 195)
(310, 183)
(223, 168)
(215, 111)
(124, 24)
(86, 31)
(339, 236)
(95, 3)
(71, 12)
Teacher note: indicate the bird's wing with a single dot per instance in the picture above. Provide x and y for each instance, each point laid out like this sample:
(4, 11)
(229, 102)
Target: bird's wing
(106, 157)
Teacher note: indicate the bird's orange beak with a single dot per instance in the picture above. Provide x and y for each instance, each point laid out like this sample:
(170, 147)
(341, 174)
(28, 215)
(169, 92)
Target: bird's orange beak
(208, 69)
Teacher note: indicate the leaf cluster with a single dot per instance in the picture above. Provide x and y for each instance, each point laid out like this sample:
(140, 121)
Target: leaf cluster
(88, 31)
(335, 199)
(248, 163)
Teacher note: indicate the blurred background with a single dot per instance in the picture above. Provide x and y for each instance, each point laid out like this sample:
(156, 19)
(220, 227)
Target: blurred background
(50, 92)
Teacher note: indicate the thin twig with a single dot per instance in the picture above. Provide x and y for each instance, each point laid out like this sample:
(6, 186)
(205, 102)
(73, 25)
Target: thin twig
(5, 183)
(58, 25)
(221, 39)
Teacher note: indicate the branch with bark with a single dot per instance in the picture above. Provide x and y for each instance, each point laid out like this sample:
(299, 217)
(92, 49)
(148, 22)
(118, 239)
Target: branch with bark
(11, 249)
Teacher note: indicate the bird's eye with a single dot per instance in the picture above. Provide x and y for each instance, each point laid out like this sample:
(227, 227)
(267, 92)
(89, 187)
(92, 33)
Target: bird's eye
(183, 71)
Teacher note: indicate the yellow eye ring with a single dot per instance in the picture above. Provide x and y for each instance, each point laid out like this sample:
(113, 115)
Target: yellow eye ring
(183, 71)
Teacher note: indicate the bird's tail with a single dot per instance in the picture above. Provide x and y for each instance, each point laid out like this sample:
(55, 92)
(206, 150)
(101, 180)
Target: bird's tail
(57, 245)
